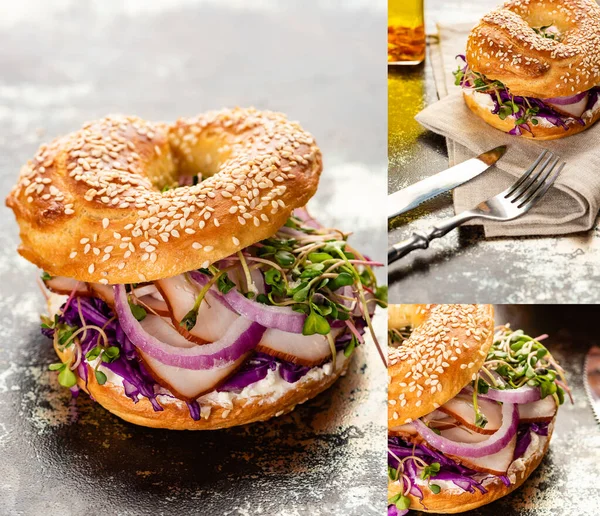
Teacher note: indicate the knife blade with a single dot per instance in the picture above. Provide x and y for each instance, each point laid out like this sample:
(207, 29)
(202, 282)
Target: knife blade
(591, 379)
(413, 195)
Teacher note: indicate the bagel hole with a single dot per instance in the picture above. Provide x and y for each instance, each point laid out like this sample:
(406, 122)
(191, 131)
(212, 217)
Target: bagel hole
(547, 28)
(396, 336)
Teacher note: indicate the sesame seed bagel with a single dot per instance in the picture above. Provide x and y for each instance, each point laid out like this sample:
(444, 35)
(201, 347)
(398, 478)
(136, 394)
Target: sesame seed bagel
(442, 355)
(214, 415)
(91, 205)
(538, 132)
(451, 501)
(504, 46)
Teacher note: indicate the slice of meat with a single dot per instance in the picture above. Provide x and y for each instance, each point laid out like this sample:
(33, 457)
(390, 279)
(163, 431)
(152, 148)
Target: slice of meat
(186, 384)
(157, 306)
(576, 110)
(496, 464)
(307, 350)
(64, 285)
(104, 292)
(461, 408)
(405, 431)
(439, 420)
(541, 411)
(213, 319)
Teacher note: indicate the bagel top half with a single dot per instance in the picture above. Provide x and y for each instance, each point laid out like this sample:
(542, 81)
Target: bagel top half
(504, 46)
(93, 205)
(447, 347)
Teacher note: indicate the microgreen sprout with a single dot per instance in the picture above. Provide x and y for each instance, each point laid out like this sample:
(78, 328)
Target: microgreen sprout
(515, 360)
(224, 284)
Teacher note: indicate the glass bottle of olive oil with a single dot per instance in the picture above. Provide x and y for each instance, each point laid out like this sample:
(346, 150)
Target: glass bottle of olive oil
(406, 32)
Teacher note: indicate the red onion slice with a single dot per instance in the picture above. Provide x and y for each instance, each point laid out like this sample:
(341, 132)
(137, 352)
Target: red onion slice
(495, 463)
(563, 101)
(242, 336)
(275, 317)
(525, 394)
(495, 442)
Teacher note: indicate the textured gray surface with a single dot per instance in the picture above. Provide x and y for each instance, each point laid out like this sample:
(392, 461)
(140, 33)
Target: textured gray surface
(71, 61)
(464, 266)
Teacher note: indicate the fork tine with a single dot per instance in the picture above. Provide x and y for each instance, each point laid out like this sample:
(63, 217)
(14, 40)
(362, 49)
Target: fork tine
(522, 190)
(530, 191)
(540, 191)
(527, 173)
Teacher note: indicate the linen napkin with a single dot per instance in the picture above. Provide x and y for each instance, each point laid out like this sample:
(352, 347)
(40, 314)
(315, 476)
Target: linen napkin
(573, 202)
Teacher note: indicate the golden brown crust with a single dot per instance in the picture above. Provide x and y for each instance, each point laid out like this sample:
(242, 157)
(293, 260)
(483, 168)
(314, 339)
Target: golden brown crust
(400, 316)
(538, 132)
(90, 207)
(439, 358)
(176, 416)
(504, 47)
(447, 503)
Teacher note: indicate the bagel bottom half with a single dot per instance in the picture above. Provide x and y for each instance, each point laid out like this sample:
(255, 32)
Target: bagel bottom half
(450, 501)
(237, 411)
(539, 133)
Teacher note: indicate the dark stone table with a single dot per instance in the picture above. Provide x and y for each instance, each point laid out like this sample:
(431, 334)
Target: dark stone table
(68, 62)
(464, 266)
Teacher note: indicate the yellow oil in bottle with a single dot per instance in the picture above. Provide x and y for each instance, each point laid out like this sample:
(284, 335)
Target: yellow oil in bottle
(406, 32)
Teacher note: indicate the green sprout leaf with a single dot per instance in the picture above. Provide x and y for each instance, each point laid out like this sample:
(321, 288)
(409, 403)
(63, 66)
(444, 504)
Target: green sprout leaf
(46, 276)
(224, 284)
(67, 378)
(284, 258)
(319, 257)
(435, 489)
(100, 377)
(64, 333)
(49, 323)
(341, 280)
(349, 349)
(111, 354)
(93, 353)
(138, 311)
(430, 471)
(315, 323)
(189, 319)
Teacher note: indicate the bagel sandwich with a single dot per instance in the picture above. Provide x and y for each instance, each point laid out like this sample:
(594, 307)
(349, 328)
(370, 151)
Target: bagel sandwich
(187, 285)
(471, 408)
(532, 69)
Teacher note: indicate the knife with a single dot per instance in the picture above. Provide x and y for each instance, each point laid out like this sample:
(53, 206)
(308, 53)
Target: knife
(591, 379)
(413, 195)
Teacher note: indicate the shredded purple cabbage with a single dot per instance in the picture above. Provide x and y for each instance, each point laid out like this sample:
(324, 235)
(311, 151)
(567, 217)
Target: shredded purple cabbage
(136, 379)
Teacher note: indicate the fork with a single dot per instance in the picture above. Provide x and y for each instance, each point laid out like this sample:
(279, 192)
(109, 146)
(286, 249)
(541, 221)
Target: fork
(513, 202)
